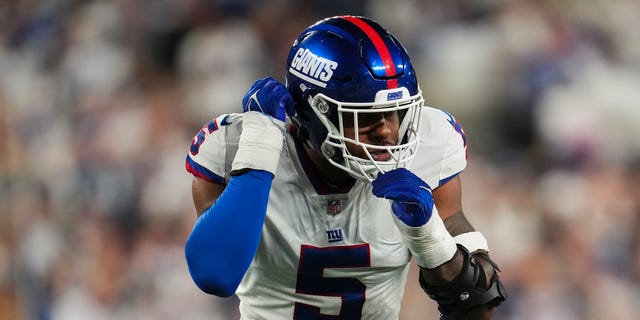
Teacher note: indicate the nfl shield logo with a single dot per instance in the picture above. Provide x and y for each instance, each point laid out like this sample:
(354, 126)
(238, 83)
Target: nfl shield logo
(334, 206)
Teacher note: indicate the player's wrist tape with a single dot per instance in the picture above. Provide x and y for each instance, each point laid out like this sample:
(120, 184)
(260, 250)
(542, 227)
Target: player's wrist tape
(431, 244)
(260, 143)
(473, 241)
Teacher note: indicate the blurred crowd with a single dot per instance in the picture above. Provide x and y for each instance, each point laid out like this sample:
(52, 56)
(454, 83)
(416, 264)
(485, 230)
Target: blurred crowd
(99, 101)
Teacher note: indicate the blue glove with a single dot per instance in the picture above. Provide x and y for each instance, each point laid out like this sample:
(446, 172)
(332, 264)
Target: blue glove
(270, 97)
(412, 199)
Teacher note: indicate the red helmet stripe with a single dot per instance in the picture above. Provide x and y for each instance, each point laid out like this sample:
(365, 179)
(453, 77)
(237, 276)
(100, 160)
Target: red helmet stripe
(383, 51)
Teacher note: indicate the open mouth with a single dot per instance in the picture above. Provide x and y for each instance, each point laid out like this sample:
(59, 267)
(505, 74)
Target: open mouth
(380, 155)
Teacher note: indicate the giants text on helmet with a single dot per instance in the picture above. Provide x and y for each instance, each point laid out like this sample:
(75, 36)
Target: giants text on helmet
(309, 67)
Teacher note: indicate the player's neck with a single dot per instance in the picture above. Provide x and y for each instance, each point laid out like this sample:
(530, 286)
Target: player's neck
(329, 173)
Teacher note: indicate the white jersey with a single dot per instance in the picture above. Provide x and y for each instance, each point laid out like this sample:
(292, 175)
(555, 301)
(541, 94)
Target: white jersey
(323, 250)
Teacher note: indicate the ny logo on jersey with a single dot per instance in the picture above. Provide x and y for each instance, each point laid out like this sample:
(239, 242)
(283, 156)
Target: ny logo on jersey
(334, 235)
(334, 206)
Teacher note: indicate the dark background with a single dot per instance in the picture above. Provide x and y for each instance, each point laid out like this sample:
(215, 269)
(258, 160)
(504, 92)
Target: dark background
(99, 101)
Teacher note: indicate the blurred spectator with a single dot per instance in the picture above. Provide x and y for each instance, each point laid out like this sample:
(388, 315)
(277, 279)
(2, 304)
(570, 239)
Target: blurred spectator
(99, 100)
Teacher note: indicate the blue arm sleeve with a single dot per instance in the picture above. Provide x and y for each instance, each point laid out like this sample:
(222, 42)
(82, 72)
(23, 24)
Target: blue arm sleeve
(225, 237)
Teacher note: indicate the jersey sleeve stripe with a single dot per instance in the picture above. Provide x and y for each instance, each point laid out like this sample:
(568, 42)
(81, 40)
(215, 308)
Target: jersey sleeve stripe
(202, 172)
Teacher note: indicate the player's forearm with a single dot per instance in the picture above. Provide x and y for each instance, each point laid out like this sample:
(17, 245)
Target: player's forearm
(225, 238)
(444, 275)
(450, 275)
(458, 224)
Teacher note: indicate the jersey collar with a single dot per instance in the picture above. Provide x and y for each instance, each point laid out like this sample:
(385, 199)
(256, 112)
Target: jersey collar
(312, 173)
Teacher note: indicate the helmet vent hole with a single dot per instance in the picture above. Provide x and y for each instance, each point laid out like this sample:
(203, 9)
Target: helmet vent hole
(345, 79)
(334, 35)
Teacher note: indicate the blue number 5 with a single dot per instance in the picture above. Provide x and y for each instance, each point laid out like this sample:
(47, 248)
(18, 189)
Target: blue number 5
(313, 261)
(208, 128)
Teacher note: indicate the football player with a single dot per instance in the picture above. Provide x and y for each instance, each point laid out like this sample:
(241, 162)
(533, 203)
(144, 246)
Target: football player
(313, 200)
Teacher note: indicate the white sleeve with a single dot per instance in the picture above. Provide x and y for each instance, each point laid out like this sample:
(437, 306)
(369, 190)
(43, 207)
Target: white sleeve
(454, 158)
(442, 151)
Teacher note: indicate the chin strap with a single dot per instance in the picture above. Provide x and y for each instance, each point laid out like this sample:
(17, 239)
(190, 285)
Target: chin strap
(469, 289)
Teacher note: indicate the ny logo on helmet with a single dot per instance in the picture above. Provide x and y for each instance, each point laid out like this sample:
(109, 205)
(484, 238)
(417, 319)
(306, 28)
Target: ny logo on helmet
(309, 67)
(394, 95)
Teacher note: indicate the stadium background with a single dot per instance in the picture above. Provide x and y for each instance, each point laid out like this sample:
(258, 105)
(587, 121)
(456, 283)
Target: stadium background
(99, 101)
